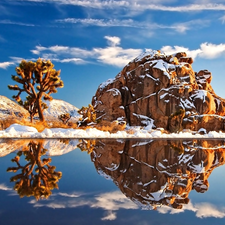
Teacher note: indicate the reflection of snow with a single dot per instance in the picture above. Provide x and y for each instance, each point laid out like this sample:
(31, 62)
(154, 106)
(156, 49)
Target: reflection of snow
(54, 146)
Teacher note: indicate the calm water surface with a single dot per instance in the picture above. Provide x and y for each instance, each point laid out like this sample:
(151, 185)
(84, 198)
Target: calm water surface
(70, 181)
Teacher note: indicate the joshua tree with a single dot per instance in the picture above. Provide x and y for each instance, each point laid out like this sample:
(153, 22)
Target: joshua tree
(89, 115)
(37, 178)
(64, 117)
(38, 79)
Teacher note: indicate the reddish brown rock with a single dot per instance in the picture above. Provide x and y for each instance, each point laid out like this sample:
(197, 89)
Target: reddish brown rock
(154, 87)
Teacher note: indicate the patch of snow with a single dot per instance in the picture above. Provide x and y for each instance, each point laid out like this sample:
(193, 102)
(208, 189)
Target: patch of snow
(161, 65)
(106, 83)
(163, 95)
(17, 128)
(58, 107)
(115, 91)
(19, 131)
(187, 104)
(148, 122)
(202, 130)
(150, 53)
(201, 94)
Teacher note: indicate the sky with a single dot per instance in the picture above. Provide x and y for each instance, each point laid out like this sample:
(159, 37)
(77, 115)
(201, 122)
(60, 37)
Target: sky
(91, 41)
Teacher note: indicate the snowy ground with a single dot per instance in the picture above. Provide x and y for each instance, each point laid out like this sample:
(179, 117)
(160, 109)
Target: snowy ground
(19, 131)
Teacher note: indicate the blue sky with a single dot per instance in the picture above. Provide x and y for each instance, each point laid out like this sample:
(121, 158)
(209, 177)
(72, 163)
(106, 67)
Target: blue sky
(91, 41)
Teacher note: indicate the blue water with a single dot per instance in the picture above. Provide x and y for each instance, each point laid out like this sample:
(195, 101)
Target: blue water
(89, 196)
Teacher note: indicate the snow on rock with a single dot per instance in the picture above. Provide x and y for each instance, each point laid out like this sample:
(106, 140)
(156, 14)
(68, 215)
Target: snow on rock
(10, 108)
(58, 107)
(106, 83)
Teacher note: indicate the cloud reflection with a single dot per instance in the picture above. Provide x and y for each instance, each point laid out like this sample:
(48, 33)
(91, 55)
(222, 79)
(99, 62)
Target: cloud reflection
(3, 187)
(110, 201)
(110, 216)
(208, 210)
(201, 210)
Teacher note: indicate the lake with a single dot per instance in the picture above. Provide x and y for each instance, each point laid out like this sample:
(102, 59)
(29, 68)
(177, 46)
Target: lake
(112, 181)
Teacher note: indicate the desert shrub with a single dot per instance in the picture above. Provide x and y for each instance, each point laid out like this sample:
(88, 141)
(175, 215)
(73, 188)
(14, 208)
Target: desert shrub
(64, 117)
(88, 115)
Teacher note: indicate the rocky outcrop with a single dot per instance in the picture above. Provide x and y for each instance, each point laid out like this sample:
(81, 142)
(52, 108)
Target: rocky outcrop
(161, 91)
(156, 173)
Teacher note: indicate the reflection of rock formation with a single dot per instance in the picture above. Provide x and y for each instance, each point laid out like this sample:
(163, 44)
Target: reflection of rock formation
(37, 177)
(158, 173)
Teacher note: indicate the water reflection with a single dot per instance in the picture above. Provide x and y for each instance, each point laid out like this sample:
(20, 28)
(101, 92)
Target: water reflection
(152, 173)
(156, 173)
(36, 177)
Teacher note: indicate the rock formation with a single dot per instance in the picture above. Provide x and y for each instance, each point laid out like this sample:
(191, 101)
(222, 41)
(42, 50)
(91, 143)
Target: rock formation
(156, 173)
(161, 91)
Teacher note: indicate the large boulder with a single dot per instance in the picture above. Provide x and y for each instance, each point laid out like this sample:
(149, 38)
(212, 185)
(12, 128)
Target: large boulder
(163, 91)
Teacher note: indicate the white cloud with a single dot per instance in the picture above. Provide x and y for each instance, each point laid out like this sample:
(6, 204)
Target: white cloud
(16, 23)
(212, 51)
(73, 60)
(222, 19)
(101, 22)
(116, 56)
(178, 27)
(112, 41)
(111, 55)
(206, 50)
(16, 60)
(58, 48)
(171, 50)
(38, 49)
(140, 5)
(5, 65)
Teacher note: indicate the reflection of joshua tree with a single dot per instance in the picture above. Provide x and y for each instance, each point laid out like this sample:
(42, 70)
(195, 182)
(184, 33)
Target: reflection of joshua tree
(37, 178)
(87, 145)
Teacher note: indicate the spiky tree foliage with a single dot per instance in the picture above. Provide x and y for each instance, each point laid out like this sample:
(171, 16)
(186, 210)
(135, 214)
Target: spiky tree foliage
(37, 178)
(64, 117)
(87, 145)
(88, 115)
(38, 80)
